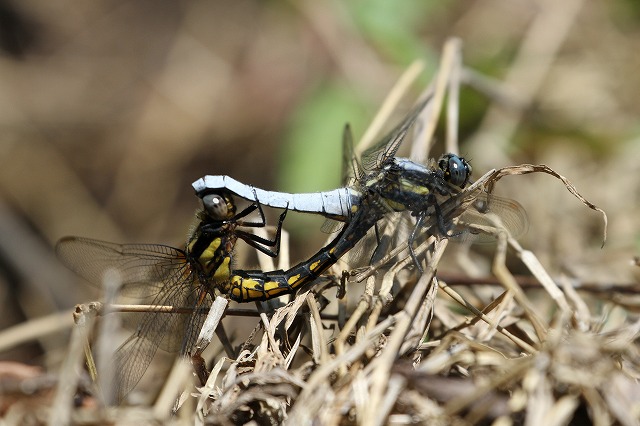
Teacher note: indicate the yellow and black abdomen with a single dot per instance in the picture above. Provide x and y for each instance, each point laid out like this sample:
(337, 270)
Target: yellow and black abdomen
(245, 286)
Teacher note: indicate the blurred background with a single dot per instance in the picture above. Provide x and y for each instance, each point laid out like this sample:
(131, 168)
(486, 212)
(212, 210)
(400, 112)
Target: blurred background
(110, 109)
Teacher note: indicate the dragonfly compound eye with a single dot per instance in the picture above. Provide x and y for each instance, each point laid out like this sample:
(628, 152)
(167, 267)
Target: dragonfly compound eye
(215, 206)
(456, 169)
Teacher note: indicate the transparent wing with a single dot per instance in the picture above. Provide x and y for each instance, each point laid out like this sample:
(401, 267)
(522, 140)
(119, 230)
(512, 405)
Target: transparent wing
(390, 232)
(351, 169)
(160, 273)
(143, 268)
(331, 226)
(487, 212)
(171, 332)
(382, 152)
(473, 217)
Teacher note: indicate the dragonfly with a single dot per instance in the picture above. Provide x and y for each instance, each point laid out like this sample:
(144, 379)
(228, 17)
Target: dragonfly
(381, 184)
(395, 181)
(371, 208)
(190, 277)
(168, 276)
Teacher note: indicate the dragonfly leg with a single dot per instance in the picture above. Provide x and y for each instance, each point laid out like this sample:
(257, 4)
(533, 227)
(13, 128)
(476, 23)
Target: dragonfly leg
(251, 208)
(442, 226)
(412, 239)
(382, 246)
(264, 244)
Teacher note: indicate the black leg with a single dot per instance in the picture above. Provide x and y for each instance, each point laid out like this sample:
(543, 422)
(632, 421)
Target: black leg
(412, 239)
(255, 205)
(263, 244)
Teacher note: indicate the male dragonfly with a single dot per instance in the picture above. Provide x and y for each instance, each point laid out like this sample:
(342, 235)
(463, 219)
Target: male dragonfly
(382, 184)
(372, 207)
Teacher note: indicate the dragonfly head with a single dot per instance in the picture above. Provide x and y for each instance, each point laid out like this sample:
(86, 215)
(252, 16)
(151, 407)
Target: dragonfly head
(218, 206)
(457, 171)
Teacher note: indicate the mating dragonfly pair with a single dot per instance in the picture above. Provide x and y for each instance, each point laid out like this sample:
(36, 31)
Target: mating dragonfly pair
(383, 184)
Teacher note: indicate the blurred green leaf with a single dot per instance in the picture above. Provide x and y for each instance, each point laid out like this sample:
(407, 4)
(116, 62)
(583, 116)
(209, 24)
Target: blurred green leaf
(394, 26)
(311, 156)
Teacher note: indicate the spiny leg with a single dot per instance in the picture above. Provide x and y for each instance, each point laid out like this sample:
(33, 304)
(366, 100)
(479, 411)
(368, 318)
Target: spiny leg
(412, 239)
(263, 244)
(251, 208)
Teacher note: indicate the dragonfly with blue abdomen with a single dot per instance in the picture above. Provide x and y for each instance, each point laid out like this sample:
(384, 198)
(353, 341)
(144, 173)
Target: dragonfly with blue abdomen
(381, 184)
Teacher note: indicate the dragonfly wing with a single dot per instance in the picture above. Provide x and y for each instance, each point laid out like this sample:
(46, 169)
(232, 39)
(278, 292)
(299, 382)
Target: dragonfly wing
(393, 231)
(167, 330)
(331, 226)
(480, 208)
(382, 152)
(130, 363)
(193, 324)
(159, 273)
(171, 332)
(142, 268)
(351, 169)
(492, 211)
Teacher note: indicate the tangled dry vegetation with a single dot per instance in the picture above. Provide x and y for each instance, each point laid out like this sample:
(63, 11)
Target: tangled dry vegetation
(500, 341)
(405, 348)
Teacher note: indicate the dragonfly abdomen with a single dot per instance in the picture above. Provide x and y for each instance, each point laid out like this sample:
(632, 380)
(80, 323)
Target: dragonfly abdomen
(246, 286)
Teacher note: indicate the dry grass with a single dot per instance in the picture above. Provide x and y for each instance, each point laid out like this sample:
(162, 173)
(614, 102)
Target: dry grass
(545, 334)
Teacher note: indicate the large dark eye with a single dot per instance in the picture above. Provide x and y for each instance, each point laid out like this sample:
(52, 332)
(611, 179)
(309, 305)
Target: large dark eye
(456, 169)
(215, 206)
